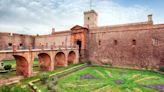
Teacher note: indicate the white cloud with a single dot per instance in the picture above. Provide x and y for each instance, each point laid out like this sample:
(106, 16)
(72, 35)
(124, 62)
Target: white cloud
(39, 16)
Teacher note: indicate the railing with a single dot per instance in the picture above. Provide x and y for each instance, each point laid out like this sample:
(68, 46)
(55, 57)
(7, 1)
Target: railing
(15, 48)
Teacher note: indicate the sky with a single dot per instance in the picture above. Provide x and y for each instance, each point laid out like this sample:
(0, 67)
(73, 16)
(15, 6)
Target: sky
(40, 16)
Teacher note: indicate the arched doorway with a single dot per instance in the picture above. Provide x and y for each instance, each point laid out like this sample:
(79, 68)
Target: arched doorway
(71, 57)
(44, 61)
(22, 66)
(79, 43)
(60, 59)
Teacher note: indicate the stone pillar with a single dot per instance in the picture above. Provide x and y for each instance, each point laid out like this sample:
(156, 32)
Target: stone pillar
(42, 47)
(66, 60)
(14, 48)
(30, 47)
(52, 47)
(62, 44)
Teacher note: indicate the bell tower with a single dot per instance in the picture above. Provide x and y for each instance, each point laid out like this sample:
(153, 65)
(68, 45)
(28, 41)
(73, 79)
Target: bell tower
(90, 19)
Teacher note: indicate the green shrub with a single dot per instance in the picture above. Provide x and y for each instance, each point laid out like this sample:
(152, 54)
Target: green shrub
(88, 62)
(19, 89)
(111, 64)
(161, 68)
(44, 77)
(5, 89)
(50, 86)
(55, 80)
(54, 89)
(13, 89)
(7, 67)
(2, 64)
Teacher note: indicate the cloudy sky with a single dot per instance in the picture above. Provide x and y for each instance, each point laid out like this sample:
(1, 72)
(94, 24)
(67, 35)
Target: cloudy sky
(39, 16)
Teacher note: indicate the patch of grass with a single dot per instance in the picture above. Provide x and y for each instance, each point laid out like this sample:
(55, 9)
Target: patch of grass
(13, 73)
(25, 81)
(72, 82)
(104, 82)
(8, 62)
(13, 63)
(7, 75)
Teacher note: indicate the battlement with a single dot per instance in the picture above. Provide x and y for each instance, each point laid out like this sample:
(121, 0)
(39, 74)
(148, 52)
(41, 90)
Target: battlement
(125, 27)
(91, 11)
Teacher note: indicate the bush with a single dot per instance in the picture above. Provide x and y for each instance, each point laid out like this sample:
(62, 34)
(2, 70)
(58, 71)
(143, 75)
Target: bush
(110, 64)
(2, 63)
(7, 67)
(54, 89)
(88, 62)
(55, 80)
(44, 77)
(50, 86)
(5, 89)
(13, 89)
(19, 89)
(161, 68)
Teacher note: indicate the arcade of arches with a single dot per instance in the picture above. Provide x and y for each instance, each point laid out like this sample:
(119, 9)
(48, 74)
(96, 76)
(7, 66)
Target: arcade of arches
(46, 62)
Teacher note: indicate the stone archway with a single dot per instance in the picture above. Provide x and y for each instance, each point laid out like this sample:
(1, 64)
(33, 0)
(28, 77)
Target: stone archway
(71, 57)
(22, 66)
(44, 61)
(60, 59)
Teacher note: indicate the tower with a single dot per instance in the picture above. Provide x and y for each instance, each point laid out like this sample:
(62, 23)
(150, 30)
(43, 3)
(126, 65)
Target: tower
(90, 19)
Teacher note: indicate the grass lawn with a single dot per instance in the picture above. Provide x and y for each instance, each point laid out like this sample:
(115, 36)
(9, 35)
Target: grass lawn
(13, 63)
(7, 62)
(98, 79)
(24, 82)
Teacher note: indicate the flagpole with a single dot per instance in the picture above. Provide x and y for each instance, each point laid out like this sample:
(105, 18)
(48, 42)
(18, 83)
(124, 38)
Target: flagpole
(90, 4)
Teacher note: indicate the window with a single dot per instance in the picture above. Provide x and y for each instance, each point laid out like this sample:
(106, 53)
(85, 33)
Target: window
(99, 42)
(20, 44)
(134, 42)
(155, 42)
(115, 42)
(10, 44)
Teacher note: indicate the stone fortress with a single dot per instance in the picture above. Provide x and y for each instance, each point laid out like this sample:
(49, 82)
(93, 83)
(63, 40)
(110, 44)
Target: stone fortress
(135, 44)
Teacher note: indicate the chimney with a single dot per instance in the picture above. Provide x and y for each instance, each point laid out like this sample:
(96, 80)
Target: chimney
(150, 20)
(53, 30)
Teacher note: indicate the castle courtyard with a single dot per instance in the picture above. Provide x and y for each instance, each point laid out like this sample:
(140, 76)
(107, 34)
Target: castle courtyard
(86, 57)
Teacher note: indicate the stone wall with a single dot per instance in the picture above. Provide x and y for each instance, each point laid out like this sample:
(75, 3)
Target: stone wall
(135, 45)
(7, 40)
(21, 41)
(136, 48)
(56, 40)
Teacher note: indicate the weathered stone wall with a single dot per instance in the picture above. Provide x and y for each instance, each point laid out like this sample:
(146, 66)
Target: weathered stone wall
(49, 40)
(134, 48)
(21, 41)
